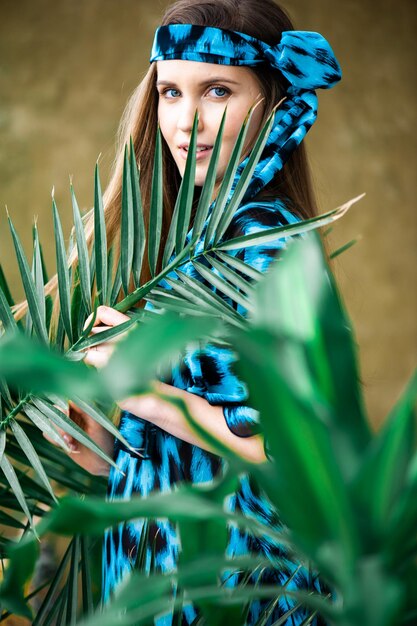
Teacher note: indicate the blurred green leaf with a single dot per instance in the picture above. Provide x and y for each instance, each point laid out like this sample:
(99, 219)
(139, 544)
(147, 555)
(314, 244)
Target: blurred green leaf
(22, 561)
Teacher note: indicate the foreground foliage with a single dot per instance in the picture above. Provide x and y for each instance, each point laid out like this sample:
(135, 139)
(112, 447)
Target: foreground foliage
(348, 495)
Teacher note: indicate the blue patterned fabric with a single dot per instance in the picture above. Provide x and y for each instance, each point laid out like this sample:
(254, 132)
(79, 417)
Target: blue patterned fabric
(208, 370)
(305, 58)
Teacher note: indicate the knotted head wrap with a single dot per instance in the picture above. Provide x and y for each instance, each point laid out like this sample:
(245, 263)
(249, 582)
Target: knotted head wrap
(304, 58)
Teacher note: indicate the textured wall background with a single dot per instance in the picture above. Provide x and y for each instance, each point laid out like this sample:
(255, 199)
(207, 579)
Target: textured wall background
(67, 69)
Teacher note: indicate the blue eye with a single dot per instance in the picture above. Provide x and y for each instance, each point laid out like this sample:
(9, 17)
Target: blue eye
(165, 93)
(223, 89)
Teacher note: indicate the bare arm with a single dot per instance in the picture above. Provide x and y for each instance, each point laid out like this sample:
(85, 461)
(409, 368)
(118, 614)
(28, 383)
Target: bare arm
(166, 416)
(152, 408)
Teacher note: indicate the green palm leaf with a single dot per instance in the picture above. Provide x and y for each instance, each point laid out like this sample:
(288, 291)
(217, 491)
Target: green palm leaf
(244, 180)
(187, 190)
(63, 274)
(27, 447)
(226, 182)
(222, 285)
(209, 182)
(6, 315)
(127, 231)
(15, 486)
(38, 274)
(100, 241)
(139, 236)
(35, 307)
(4, 287)
(82, 251)
(155, 213)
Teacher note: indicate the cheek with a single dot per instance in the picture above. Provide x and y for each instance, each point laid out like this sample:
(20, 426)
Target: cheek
(165, 122)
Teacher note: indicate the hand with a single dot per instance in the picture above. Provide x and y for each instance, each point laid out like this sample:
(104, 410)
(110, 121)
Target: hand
(106, 318)
(80, 454)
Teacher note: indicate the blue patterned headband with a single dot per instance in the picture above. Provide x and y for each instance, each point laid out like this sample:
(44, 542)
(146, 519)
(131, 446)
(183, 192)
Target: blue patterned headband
(304, 58)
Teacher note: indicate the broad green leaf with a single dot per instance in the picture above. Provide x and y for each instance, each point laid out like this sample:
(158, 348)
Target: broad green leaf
(221, 285)
(270, 234)
(82, 252)
(299, 300)
(14, 483)
(226, 183)
(37, 369)
(300, 445)
(244, 179)
(209, 182)
(187, 190)
(156, 342)
(127, 229)
(100, 240)
(155, 212)
(384, 468)
(91, 516)
(156, 594)
(63, 274)
(29, 287)
(138, 221)
(27, 447)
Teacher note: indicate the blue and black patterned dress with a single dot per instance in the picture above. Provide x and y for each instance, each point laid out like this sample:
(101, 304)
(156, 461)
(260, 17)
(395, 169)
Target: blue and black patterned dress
(169, 461)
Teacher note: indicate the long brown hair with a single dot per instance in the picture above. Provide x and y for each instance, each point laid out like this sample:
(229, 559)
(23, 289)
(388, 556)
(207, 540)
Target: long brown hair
(263, 20)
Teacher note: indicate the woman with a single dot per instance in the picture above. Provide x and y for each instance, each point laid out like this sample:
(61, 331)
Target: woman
(206, 55)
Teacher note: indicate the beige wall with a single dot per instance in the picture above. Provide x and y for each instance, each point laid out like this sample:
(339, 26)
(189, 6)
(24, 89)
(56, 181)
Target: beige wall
(67, 68)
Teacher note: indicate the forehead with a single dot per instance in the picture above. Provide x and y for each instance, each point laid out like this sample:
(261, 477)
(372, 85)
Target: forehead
(199, 72)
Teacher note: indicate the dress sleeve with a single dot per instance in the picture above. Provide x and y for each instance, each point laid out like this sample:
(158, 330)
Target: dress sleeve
(209, 370)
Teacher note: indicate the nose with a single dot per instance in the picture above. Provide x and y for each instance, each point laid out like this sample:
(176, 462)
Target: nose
(186, 116)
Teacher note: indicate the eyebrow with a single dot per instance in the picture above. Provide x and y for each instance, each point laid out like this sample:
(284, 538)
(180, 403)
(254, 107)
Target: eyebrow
(215, 79)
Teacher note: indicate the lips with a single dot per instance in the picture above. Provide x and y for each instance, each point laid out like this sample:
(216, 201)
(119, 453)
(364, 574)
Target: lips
(202, 151)
(200, 147)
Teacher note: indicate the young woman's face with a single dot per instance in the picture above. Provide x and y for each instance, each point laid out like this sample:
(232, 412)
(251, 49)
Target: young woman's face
(185, 86)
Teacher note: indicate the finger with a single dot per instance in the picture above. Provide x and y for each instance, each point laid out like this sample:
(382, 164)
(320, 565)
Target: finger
(108, 316)
(97, 357)
(70, 441)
